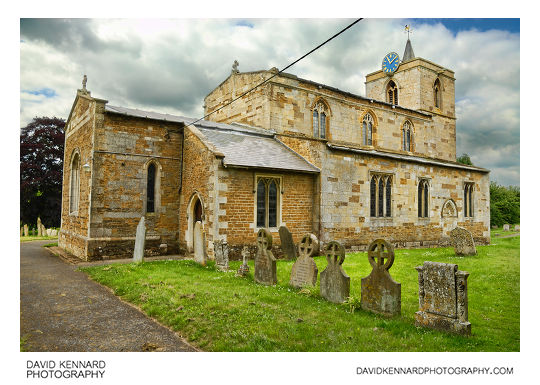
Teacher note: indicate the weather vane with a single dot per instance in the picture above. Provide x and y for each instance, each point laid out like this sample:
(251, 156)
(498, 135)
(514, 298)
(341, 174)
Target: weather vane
(408, 30)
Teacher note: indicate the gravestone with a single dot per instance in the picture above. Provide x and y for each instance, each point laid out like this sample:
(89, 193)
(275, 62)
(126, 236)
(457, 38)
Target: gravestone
(287, 244)
(39, 229)
(54, 233)
(443, 298)
(25, 230)
(221, 255)
(49, 232)
(335, 284)
(163, 247)
(304, 271)
(265, 263)
(244, 268)
(22, 231)
(516, 227)
(140, 241)
(380, 293)
(506, 227)
(199, 252)
(43, 230)
(463, 242)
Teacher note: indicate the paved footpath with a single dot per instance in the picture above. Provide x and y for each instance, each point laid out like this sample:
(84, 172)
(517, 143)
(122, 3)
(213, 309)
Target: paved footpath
(62, 310)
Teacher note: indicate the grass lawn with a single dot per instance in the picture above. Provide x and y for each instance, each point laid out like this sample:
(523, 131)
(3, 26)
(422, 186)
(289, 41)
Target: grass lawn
(217, 311)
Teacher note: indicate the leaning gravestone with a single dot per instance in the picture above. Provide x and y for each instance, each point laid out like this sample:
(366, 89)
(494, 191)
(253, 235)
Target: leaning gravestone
(198, 244)
(25, 230)
(335, 284)
(443, 298)
(244, 268)
(506, 227)
(140, 241)
(221, 255)
(265, 263)
(463, 242)
(380, 293)
(287, 244)
(304, 271)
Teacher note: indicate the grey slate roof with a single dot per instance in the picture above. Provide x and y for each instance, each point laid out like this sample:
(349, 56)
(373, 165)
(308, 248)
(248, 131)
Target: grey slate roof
(243, 146)
(243, 149)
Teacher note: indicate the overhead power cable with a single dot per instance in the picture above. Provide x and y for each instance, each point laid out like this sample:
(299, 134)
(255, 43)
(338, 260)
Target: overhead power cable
(277, 73)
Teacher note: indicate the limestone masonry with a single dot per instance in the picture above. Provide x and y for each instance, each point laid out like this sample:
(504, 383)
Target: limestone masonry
(291, 153)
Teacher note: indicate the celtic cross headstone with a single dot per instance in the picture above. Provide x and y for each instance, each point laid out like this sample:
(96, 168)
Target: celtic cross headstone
(379, 292)
(244, 268)
(304, 271)
(265, 263)
(335, 284)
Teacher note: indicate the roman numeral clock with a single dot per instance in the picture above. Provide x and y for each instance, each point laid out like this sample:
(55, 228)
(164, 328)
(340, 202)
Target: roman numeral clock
(390, 63)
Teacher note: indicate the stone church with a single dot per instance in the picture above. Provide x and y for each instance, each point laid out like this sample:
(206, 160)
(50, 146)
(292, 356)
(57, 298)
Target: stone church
(292, 153)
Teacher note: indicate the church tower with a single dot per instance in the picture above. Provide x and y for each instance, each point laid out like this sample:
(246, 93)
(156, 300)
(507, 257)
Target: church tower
(418, 84)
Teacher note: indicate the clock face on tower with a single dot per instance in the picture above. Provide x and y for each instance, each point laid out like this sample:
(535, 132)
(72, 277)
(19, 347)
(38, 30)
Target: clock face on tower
(390, 63)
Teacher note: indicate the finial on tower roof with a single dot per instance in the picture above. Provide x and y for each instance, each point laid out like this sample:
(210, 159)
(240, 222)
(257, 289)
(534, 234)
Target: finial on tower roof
(84, 82)
(409, 53)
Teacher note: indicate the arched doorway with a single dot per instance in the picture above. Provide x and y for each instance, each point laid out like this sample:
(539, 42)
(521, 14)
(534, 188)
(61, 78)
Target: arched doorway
(195, 212)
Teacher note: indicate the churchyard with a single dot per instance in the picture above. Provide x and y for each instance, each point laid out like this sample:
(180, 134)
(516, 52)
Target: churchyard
(219, 310)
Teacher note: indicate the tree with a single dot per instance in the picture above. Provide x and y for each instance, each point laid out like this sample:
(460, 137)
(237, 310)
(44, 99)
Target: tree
(504, 204)
(42, 157)
(464, 159)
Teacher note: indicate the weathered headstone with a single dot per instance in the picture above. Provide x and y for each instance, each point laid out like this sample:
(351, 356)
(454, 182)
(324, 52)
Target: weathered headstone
(43, 229)
(163, 248)
(140, 241)
(380, 293)
(244, 268)
(335, 284)
(443, 298)
(25, 227)
(463, 241)
(221, 255)
(287, 243)
(54, 233)
(49, 232)
(22, 231)
(265, 263)
(304, 271)
(39, 230)
(516, 227)
(199, 252)
(506, 227)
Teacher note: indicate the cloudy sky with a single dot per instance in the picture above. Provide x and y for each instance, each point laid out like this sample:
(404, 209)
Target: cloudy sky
(170, 65)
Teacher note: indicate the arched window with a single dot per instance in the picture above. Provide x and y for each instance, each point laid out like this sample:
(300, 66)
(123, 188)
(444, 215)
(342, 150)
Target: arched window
(381, 196)
(367, 129)
(423, 198)
(407, 136)
(468, 200)
(267, 201)
(151, 188)
(74, 184)
(392, 93)
(437, 93)
(320, 121)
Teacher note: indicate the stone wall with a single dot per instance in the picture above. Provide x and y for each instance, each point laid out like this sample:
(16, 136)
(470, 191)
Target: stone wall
(79, 139)
(285, 105)
(123, 149)
(198, 182)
